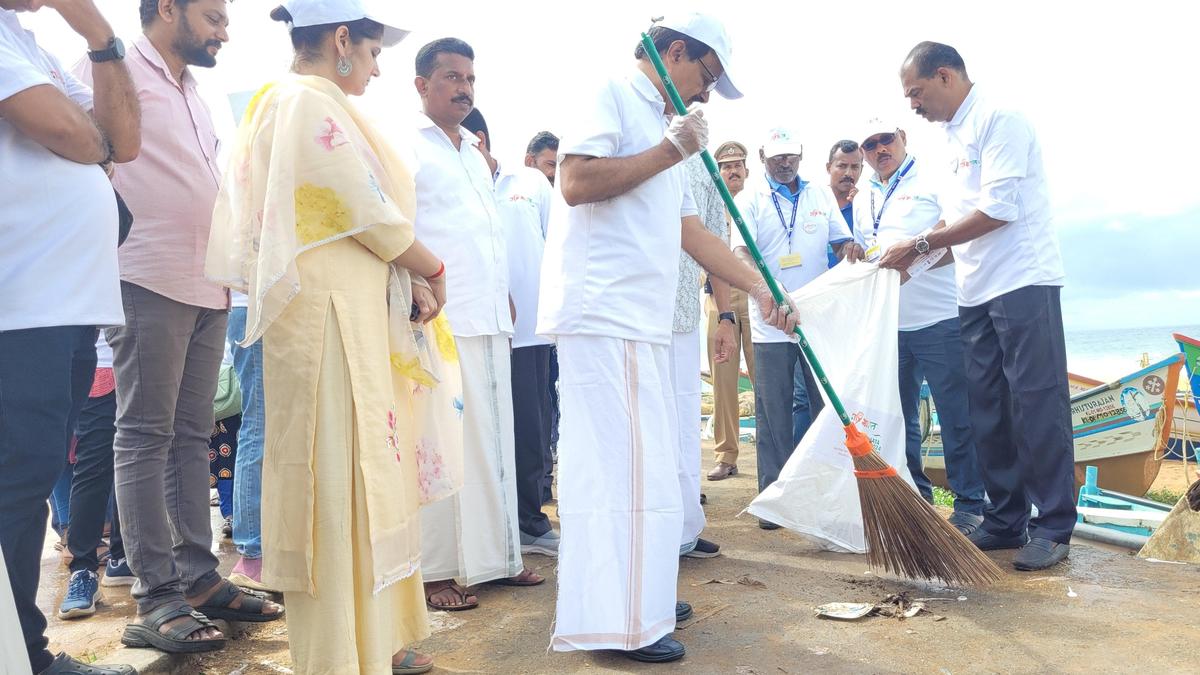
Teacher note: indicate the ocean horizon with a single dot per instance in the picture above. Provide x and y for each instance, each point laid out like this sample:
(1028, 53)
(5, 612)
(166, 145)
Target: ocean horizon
(1108, 353)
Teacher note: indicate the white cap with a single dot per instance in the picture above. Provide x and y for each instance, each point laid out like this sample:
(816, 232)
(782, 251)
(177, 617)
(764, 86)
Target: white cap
(782, 142)
(321, 12)
(877, 125)
(710, 31)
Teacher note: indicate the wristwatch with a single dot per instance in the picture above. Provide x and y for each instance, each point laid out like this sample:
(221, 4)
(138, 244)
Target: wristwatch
(114, 52)
(727, 316)
(922, 245)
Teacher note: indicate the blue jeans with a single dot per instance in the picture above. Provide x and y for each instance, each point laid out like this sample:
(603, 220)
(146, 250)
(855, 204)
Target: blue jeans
(60, 502)
(802, 413)
(247, 473)
(935, 354)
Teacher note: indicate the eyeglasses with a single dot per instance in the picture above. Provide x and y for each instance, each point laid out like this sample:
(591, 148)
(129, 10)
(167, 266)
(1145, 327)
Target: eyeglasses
(712, 79)
(884, 139)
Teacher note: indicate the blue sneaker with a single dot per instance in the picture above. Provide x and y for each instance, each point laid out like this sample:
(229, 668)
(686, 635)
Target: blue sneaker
(82, 592)
(117, 573)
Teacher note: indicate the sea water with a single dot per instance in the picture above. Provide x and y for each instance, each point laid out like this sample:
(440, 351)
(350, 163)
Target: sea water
(1110, 353)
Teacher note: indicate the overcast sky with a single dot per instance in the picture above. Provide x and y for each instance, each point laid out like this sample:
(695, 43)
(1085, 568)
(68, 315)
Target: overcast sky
(1106, 84)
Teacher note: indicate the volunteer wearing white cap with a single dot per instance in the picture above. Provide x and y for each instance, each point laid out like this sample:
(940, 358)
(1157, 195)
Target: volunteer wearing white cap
(608, 288)
(330, 272)
(901, 202)
(792, 222)
(1009, 274)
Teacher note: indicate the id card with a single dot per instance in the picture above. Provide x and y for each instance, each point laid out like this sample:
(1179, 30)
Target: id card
(872, 252)
(790, 260)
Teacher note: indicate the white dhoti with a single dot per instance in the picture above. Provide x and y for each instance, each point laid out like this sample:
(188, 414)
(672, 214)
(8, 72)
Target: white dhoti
(619, 502)
(472, 536)
(685, 379)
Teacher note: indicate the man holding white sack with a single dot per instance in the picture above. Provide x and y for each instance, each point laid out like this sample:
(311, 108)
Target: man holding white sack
(1009, 274)
(901, 202)
(609, 277)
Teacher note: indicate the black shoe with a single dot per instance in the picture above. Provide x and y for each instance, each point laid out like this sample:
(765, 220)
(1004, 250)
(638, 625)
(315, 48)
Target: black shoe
(666, 649)
(704, 549)
(767, 525)
(65, 665)
(683, 612)
(986, 541)
(1039, 554)
(966, 523)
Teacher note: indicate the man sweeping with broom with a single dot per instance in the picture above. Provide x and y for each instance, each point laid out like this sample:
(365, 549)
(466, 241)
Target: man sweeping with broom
(609, 277)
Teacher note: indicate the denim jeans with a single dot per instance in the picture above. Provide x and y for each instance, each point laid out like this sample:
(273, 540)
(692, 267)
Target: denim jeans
(60, 502)
(247, 472)
(935, 354)
(92, 484)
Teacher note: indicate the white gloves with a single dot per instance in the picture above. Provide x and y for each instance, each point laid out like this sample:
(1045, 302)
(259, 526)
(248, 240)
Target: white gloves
(688, 133)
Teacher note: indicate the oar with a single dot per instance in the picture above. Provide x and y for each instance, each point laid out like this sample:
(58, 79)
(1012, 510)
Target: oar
(904, 534)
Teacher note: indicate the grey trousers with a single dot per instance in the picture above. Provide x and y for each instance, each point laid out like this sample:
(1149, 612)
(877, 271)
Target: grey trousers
(165, 360)
(775, 385)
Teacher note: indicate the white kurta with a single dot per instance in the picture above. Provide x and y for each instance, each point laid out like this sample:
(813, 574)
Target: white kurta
(472, 536)
(685, 380)
(619, 501)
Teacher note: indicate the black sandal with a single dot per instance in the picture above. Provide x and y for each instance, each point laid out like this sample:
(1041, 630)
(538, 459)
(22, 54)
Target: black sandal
(174, 641)
(250, 611)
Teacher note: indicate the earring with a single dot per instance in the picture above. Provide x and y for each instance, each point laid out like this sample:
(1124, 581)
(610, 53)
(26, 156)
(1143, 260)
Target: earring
(344, 66)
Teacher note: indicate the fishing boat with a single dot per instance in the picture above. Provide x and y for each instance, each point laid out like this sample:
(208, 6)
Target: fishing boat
(1185, 427)
(1121, 427)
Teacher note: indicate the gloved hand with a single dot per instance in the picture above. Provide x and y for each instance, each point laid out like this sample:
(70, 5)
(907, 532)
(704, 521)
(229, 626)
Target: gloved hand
(784, 317)
(688, 133)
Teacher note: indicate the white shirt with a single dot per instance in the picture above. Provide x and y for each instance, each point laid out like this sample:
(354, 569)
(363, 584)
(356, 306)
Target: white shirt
(58, 219)
(998, 170)
(819, 223)
(611, 268)
(913, 208)
(523, 199)
(457, 220)
(104, 355)
(238, 299)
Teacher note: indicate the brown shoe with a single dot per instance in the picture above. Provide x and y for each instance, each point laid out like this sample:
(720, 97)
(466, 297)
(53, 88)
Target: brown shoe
(722, 471)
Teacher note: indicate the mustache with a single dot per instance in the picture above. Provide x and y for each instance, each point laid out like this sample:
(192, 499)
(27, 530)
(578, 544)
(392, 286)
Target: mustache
(462, 99)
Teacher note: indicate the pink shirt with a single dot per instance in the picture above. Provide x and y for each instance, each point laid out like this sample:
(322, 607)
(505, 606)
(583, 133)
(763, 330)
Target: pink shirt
(172, 185)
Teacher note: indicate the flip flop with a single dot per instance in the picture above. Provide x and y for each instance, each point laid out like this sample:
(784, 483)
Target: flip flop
(406, 666)
(515, 581)
(174, 641)
(218, 605)
(457, 590)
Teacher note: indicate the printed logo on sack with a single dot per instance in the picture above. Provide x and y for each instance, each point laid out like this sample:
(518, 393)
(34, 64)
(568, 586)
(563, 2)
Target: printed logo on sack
(869, 428)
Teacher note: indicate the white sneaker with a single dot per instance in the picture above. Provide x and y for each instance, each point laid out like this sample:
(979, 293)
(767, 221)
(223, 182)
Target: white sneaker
(547, 544)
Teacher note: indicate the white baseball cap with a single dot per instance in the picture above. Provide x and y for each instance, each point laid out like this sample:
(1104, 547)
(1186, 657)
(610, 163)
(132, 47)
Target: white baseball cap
(710, 31)
(321, 12)
(877, 125)
(782, 141)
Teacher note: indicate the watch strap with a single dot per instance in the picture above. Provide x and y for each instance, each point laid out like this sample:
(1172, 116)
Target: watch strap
(727, 316)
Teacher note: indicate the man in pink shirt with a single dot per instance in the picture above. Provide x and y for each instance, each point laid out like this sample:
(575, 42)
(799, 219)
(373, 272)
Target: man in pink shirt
(166, 357)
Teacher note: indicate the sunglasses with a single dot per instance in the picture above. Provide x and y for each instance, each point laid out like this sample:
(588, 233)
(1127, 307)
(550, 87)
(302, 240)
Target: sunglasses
(712, 79)
(884, 139)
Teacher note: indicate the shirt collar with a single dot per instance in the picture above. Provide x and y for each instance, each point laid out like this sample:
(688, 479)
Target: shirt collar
(646, 89)
(908, 161)
(425, 122)
(963, 109)
(151, 54)
(784, 190)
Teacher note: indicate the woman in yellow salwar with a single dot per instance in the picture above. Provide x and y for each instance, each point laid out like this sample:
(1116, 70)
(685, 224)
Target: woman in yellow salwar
(314, 220)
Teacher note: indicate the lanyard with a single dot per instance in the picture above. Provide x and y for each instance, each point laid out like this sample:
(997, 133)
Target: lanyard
(787, 226)
(891, 189)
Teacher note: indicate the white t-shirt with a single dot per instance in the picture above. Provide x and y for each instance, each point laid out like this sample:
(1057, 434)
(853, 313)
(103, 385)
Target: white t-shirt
(523, 198)
(819, 223)
(58, 218)
(610, 268)
(912, 209)
(457, 220)
(104, 355)
(998, 170)
(238, 299)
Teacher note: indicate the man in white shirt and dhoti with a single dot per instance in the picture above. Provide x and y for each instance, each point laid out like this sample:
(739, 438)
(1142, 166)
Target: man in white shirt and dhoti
(471, 537)
(609, 277)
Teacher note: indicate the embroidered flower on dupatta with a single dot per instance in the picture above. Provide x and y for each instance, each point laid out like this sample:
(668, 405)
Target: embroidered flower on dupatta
(331, 135)
(432, 478)
(320, 214)
(393, 442)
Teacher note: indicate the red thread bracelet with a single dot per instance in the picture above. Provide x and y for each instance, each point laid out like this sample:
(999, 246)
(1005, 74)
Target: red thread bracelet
(440, 272)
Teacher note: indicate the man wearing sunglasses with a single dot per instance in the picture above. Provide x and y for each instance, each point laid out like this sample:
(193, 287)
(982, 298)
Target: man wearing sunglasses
(792, 223)
(1009, 275)
(899, 203)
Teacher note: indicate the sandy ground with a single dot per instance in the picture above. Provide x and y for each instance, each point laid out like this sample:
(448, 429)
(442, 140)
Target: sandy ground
(1102, 611)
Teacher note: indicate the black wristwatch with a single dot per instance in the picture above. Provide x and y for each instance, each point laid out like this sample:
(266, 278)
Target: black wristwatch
(114, 52)
(727, 316)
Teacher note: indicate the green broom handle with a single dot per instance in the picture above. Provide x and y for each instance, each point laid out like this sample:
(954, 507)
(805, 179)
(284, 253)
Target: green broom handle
(715, 173)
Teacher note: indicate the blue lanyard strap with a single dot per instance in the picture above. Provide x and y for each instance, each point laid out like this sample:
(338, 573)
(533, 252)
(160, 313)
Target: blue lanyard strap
(891, 189)
(787, 226)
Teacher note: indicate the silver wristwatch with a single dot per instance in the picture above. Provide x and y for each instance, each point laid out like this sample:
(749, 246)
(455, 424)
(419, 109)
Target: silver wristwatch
(922, 245)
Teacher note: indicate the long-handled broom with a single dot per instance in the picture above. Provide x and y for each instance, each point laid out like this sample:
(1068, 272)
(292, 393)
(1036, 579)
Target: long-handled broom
(905, 535)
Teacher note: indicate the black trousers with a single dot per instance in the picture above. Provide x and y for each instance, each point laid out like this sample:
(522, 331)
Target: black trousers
(45, 376)
(92, 484)
(1016, 368)
(532, 421)
(547, 492)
